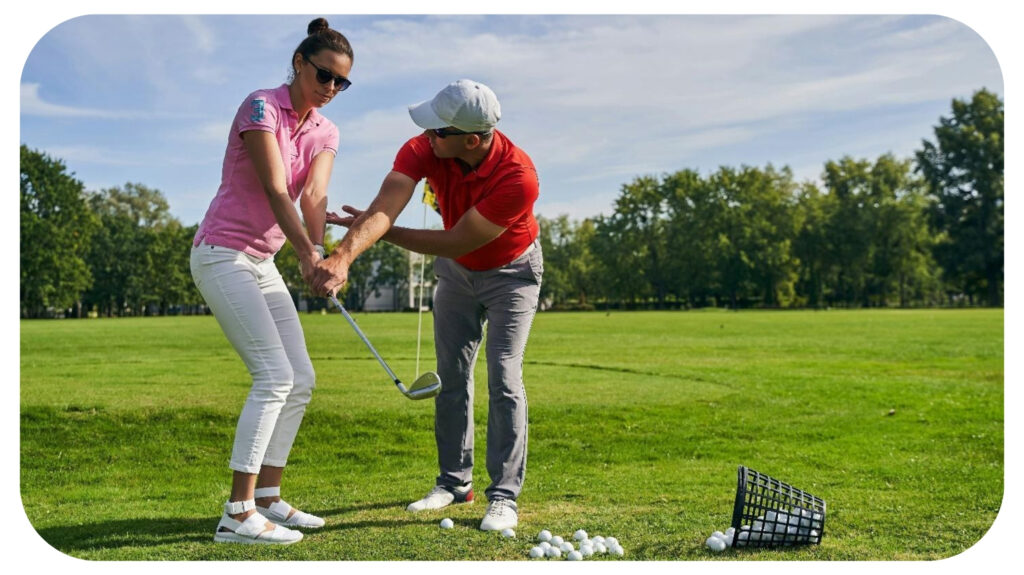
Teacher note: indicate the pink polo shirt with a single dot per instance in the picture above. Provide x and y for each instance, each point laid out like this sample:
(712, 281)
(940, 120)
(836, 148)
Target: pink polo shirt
(240, 217)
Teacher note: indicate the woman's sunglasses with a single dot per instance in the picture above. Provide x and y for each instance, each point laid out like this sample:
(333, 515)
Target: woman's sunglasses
(323, 76)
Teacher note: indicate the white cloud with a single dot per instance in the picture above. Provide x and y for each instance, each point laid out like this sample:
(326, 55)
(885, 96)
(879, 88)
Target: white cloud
(32, 104)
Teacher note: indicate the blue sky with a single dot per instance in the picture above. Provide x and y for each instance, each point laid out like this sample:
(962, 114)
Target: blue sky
(595, 100)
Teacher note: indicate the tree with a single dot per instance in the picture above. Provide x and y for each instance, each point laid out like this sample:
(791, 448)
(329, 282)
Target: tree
(569, 265)
(56, 229)
(137, 257)
(964, 172)
(693, 211)
(631, 242)
(850, 228)
(383, 265)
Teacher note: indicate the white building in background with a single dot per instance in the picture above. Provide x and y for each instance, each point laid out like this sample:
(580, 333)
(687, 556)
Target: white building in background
(389, 298)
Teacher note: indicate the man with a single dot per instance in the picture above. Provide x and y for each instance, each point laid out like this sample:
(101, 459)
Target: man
(489, 269)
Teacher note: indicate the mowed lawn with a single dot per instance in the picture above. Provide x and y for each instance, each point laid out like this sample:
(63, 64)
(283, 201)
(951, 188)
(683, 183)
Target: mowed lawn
(638, 422)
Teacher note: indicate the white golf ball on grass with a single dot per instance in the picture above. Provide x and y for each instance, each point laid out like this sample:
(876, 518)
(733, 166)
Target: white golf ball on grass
(575, 556)
(609, 541)
(447, 523)
(557, 540)
(600, 548)
(536, 552)
(552, 552)
(617, 550)
(580, 535)
(598, 539)
(508, 533)
(715, 544)
(586, 550)
(566, 547)
(544, 536)
(544, 545)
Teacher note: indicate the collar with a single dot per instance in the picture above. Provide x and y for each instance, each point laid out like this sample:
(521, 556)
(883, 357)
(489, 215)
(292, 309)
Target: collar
(494, 155)
(284, 100)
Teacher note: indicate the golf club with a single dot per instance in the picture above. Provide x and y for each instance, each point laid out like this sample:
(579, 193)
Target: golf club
(426, 385)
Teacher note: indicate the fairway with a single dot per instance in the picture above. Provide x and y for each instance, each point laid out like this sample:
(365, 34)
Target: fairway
(638, 421)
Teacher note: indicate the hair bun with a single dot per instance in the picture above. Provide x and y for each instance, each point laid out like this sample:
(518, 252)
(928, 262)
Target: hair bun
(316, 26)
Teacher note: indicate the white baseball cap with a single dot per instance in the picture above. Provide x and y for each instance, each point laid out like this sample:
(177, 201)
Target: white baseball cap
(467, 105)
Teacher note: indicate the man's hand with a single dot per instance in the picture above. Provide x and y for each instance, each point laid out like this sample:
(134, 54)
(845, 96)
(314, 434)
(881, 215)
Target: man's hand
(346, 221)
(329, 276)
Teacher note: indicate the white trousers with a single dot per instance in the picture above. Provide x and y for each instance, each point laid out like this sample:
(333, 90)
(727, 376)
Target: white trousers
(254, 309)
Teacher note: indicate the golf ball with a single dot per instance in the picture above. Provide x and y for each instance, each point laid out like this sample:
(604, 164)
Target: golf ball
(557, 540)
(770, 516)
(715, 544)
(544, 545)
(536, 552)
(617, 550)
(447, 523)
(586, 550)
(600, 548)
(552, 552)
(544, 536)
(718, 534)
(730, 531)
(609, 541)
(598, 539)
(580, 535)
(575, 556)
(566, 547)
(508, 533)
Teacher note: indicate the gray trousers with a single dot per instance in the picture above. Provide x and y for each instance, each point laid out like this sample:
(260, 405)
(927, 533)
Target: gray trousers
(505, 299)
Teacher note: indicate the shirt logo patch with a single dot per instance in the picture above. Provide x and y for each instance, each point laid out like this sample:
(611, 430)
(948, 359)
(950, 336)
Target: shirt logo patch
(257, 110)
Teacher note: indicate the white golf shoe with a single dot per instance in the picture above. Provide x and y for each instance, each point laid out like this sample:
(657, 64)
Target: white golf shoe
(501, 514)
(253, 530)
(443, 497)
(280, 512)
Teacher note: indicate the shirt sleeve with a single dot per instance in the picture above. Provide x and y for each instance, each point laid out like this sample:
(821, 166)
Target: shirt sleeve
(415, 158)
(513, 197)
(329, 142)
(257, 112)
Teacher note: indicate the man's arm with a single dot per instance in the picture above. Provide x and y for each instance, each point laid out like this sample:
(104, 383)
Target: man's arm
(364, 231)
(472, 231)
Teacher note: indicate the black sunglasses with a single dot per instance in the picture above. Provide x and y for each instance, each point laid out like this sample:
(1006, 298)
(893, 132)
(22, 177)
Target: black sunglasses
(445, 132)
(323, 76)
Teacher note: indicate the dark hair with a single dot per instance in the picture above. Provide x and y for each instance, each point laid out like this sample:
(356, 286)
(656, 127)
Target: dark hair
(319, 37)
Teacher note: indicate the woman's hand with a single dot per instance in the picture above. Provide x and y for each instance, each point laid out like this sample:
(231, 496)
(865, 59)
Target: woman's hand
(307, 266)
(345, 221)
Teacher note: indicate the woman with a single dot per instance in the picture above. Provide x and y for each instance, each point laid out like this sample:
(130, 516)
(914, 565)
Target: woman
(280, 149)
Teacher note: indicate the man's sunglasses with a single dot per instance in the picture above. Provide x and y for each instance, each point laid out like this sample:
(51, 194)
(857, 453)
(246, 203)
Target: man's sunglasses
(323, 76)
(445, 132)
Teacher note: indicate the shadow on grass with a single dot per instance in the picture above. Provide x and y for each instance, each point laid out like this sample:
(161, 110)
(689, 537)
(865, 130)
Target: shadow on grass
(163, 531)
(128, 533)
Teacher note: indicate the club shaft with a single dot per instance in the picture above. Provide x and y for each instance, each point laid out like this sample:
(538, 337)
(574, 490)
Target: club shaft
(359, 332)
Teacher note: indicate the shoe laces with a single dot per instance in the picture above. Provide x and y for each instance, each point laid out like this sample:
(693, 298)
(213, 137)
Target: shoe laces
(437, 490)
(499, 506)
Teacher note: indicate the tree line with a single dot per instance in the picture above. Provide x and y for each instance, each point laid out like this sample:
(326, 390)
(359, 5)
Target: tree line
(921, 231)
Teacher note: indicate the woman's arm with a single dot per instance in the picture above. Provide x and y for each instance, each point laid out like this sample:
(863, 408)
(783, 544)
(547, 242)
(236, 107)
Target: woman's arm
(266, 159)
(313, 201)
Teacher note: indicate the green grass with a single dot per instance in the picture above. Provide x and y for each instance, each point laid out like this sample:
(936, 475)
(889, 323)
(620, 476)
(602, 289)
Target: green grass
(638, 422)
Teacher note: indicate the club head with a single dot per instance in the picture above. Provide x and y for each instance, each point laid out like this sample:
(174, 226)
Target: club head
(426, 385)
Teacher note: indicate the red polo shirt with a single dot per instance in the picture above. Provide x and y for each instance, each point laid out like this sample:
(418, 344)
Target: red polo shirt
(502, 188)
